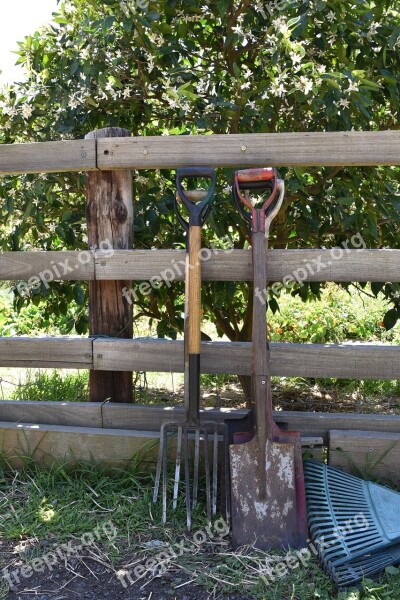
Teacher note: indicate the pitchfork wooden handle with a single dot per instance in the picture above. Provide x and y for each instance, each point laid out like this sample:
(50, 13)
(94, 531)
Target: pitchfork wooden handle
(194, 292)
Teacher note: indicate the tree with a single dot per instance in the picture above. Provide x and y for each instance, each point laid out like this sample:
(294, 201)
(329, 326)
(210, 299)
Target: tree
(173, 68)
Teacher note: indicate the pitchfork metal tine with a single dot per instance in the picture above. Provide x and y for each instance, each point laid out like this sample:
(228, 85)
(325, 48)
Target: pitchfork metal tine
(164, 483)
(177, 468)
(159, 465)
(215, 471)
(187, 478)
(196, 467)
(227, 483)
(207, 470)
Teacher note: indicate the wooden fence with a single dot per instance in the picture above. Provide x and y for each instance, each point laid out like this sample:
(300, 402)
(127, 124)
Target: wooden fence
(112, 432)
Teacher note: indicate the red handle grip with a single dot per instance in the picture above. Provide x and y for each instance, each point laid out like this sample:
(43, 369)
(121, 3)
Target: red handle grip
(255, 179)
(255, 176)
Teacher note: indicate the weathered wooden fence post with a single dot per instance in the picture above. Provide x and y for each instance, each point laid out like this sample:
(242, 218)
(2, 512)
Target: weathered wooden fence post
(109, 216)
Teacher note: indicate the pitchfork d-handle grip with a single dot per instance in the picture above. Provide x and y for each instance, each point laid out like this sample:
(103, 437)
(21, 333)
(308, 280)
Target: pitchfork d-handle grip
(198, 212)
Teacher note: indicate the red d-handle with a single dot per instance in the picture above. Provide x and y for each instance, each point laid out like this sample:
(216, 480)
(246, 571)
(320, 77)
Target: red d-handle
(255, 179)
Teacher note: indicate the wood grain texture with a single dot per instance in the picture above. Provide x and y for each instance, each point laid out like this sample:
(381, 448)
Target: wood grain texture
(169, 265)
(193, 292)
(109, 415)
(50, 444)
(353, 361)
(77, 414)
(251, 150)
(319, 424)
(218, 265)
(57, 353)
(48, 157)
(312, 425)
(47, 445)
(149, 418)
(51, 266)
(370, 453)
(109, 216)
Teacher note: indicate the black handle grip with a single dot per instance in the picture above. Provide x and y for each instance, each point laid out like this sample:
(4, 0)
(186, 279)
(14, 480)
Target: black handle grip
(185, 172)
(256, 185)
(198, 212)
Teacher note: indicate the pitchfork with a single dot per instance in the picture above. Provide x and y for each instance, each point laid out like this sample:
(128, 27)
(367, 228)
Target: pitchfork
(191, 427)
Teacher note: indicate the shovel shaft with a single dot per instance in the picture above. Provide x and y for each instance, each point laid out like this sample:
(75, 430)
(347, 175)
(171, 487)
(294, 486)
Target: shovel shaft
(262, 391)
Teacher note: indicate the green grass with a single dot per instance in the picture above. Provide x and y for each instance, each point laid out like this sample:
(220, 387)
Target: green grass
(53, 385)
(60, 504)
(368, 391)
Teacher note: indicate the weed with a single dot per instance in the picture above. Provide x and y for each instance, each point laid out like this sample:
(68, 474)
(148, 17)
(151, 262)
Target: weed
(3, 590)
(41, 385)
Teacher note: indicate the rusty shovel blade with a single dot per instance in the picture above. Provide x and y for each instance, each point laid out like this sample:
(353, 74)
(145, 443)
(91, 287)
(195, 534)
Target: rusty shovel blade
(265, 518)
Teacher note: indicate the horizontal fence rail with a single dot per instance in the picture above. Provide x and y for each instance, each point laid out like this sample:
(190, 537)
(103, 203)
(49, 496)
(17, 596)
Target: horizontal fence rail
(104, 414)
(287, 360)
(67, 265)
(343, 148)
(51, 444)
(236, 265)
(336, 264)
(46, 352)
(149, 418)
(48, 157)
(114, 434)
(251, 150)
(352, 361)
(378, 452)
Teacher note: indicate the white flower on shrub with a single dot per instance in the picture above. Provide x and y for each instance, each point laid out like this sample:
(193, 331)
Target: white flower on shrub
(26, 111)
(304, 84)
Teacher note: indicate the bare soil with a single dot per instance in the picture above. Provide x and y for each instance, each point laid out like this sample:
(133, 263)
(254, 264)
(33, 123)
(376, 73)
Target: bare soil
(91, 576)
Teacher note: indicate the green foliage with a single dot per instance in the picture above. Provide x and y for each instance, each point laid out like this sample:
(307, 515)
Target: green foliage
(32, 318)
(387, 588)
(337, 316)
(180, 68)
(53, 386)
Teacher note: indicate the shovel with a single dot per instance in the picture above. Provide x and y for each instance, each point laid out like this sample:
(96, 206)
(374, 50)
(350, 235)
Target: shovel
(198, 206)
(267, 482)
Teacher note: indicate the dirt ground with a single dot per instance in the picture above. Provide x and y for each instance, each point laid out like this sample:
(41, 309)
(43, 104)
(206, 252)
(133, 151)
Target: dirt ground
(90, 576)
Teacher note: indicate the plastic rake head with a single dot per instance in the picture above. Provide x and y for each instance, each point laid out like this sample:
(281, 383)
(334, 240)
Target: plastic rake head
(370, 565)
(348, 517)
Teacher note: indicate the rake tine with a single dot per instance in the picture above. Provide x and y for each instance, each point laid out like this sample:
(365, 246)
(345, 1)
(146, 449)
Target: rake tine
(164, 483)
(215, 471)
(187, 478)
(207, 470)
(177, 467)
(196, 467)
(159, 465)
